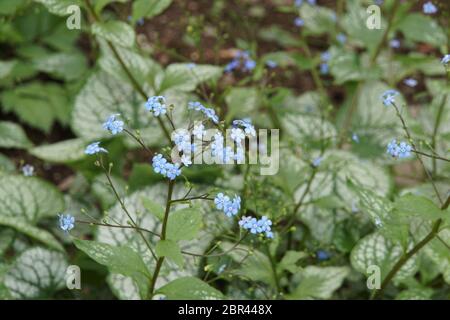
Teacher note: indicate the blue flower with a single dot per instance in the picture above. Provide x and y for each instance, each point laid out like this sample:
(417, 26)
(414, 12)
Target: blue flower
(165, 168)
(271, 64)
(157, 105)
(228, 206)
(299, 22)
(298, 3)
(191, 65)
(342, 38)
(410, 82)
(402, 150)
(221, 200)
(392, 148)
(66, 222)
(394, 43)
(429, 8)
(388, 97)
(113, 125)
(28, 170)
(317, 161)
(261, 226)
(241, 60)
(322, 255)
(237, 134)
(94, 148)
(446, 59)
(324, 68)
(325, 56)
(249, 129)
(355, 137)
(312, 2)
(208, 112)
(249, 65)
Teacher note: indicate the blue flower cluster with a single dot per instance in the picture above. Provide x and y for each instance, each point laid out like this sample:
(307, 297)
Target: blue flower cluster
(94, 148)
(229, 206)
(298, 3)
(242, 61)
(388, 97)
(66, 222)
(208, 112)
(167, 169)
(255, 226)
(247, 125)
(157, 105)
(113, 125)
(429, 8)
(399, 150)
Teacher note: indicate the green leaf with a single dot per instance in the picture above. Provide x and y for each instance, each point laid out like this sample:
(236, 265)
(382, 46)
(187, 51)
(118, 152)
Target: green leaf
(29, 198)
(100, 4)
(59, 7)
(8, 7)
(319, 282)
(124, 287)
(380, 211)
(6, 165)
(184, 224)
(149, 8)
(377, 250)
(24, 227)
(6, 68)
(190, 288)
(66, 66)
(154, 208)
(122, 260)
(37, 104)
(420, 28)
(289, 261)
(241, 102)
(169, 249)
(117, 32)
(412, 205)
(422, 293)
(13, 136)
(36, 273)
(182, 77)
(61, 152)
(318, 19)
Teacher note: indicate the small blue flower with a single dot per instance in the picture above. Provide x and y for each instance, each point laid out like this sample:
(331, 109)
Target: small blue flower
(404, 150)
(191, 65)
(312, 2)
(401, 151)
(325, 56)
(94, 148)
(388, 97)
(355, 137)
(379, 2)
(113, 125)
(322, 255)
(394, 43)
(231, 208)
(410, 82)
(249, 129)
(317, 161)
(429, 8)
(237, 134)
(255, 226)
(157, 105)
(165, 168)
(221, 200)
(249, 65)
(299, 22)
(324, 68)
(28, 170)
(446, 59)
(271, 64)
(298, 3)
(208, 112)
(392, 148)
(66, 222)
(341, 38)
